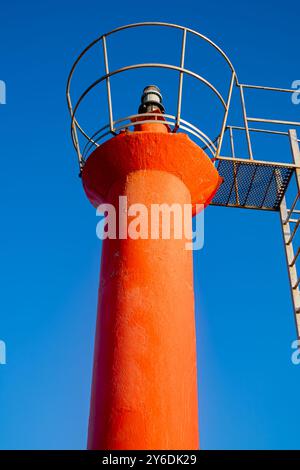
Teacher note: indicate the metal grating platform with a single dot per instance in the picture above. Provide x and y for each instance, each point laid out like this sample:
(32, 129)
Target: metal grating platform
(250, 184)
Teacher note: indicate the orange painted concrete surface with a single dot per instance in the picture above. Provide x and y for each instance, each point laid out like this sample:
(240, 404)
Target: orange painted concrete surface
(144, 391)
(146, 150)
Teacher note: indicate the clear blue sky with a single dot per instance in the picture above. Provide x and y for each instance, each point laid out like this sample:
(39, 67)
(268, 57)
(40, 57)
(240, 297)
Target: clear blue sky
(248, 387)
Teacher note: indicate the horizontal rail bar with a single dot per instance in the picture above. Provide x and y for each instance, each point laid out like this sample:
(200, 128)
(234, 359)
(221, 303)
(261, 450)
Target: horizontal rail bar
(146, 23)
(270, 88)
(171, 25)
(291, 210)
(274, 121)
(148, 65)
(132, 67)
(296, 211)
(251, 129)
(259, 162)
(201, 137)
(185, 125)
(295, 258)
(169, 116)
(293, 233)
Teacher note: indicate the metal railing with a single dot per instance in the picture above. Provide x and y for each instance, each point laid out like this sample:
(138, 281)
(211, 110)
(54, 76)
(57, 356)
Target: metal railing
(175, 122)
(211, 143)
(248, 130)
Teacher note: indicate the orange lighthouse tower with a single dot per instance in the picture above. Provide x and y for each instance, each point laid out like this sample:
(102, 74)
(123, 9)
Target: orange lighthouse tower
(144, 386)
(144, 393)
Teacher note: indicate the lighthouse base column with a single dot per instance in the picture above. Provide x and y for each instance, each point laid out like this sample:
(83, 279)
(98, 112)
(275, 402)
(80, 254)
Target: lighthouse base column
(144, 391)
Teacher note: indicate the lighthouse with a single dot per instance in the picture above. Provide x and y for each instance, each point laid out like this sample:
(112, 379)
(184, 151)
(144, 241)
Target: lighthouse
(144, 389)
(141, 171)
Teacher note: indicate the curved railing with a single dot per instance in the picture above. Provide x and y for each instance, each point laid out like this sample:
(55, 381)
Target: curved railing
(174, 122)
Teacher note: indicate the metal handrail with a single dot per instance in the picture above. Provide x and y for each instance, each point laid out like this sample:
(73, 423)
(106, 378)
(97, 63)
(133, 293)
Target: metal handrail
(137, 66)
(175, 122)
(141, 24)
(179, 122)
(168, 120)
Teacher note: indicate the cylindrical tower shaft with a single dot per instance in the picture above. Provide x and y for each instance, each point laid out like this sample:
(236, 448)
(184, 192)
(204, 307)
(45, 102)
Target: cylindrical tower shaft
(144, 393)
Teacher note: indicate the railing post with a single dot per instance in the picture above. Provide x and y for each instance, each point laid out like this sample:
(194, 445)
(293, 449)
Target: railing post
(179, 99)
(224, 123)
(246, 122)
(110, 112)
(231, 142)
(296, 154)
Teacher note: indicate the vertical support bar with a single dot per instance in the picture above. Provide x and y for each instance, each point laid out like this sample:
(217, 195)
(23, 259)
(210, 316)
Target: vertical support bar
(225, 115)
(292, 271)
(236, 185)
(75, 137)
(246, 122)
(111, 121)
(179, 99)
(231, 142)
(296, 154)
